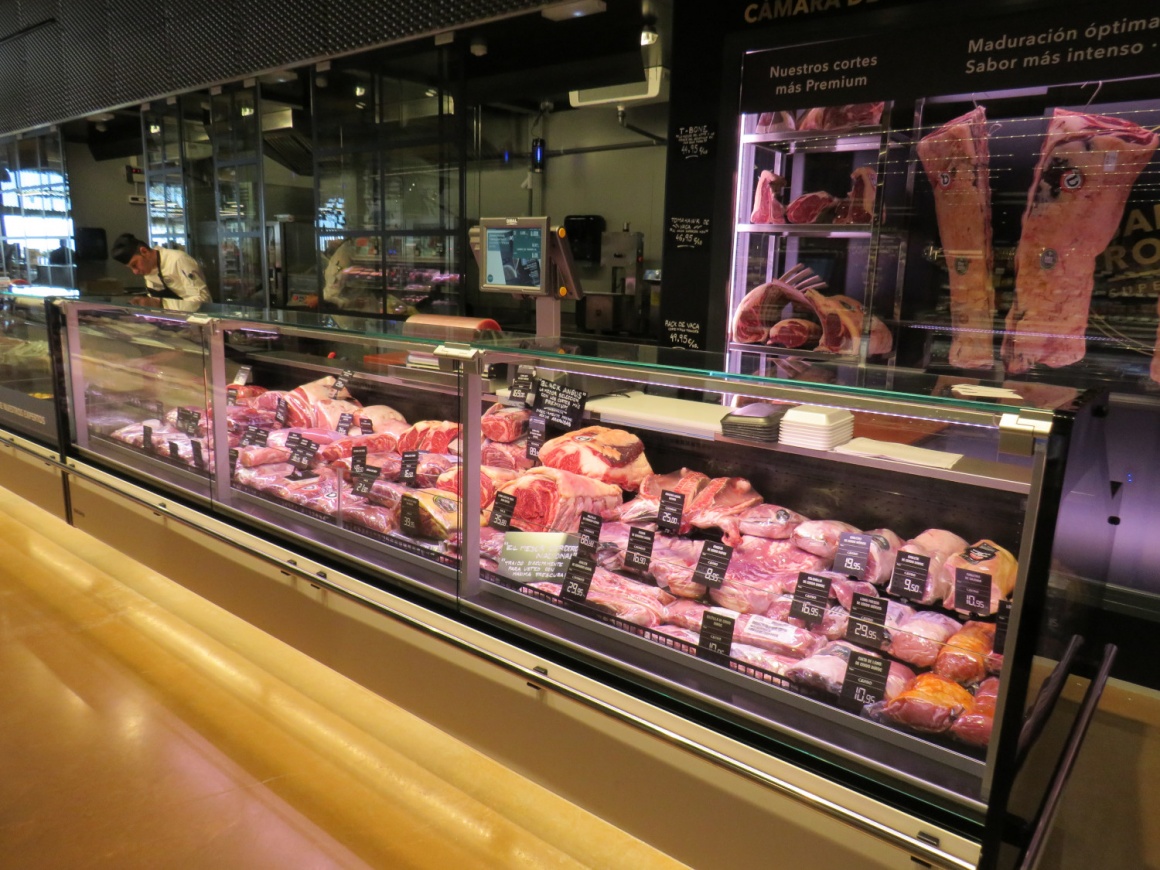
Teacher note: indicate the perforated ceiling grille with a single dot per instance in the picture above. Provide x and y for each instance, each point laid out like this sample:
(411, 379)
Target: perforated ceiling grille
(96, 54)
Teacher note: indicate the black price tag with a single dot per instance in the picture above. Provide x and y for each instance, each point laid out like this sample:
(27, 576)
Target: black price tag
(345, 421)
(188, 421)
(1002, 619)
(198, 456)
(910, 575)
(365, 480)
(559, 405)
(254, 436)
(366, 426)
(716, 637)
(410, 468)
(578, 579)
(409, 516)
(174, 450)
(811, 597)
(590, 525)
(233, 461)
(640, 547)
(293, 440)
(502, 510)
(712, 564)
(521, 387)
(671, 510)
(972, 591)
(231, 395)
(853, 554)
(340, 383)
(867, 624)
(243, 376)
(147, 438)
(303, 453)
(865, 681)
(358, 460)
(537, 434)
(282, 412)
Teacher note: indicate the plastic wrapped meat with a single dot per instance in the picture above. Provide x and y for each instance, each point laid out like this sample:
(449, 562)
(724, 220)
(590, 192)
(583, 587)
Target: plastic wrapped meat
(685, 613)
(388, 464)
(551, 500)
(832, 626)
(269, 478)
(983, 557)
(501, 454)
(360, 512)
(820, 537)
(386, 441)
(490, 480)
(937, 545)
(919, 639)
(964, 658)
(929, 704)
(432, 465)
(763, 658)
(647, 504)
(613, 544)
(777, 637)
(431, 436)
(674, 561)
(825, 669)
(975, 727)
(438, 513)
(687, 635)
(504, 423)
(490, 543)
(769, 521)
(884, 547)
(276, 448)
(328, 414)
(718, 505)
(602, 454)
(607, 581)
(382, 418)
(759, 572)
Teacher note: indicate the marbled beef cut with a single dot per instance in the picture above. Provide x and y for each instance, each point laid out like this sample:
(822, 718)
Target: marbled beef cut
(794, 332)
(551, 500)
(762, 306)
(607, 455)
(816, 207)
(504, 423)
(766, 208)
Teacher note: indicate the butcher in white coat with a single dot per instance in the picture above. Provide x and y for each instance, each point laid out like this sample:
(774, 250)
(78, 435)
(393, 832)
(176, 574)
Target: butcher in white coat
(173, 279)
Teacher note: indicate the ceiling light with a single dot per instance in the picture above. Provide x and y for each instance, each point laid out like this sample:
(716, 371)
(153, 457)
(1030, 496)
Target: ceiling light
(573, 9)
(100, 117)
(155, 129)
(431, 92)
(648, 35)
(247, 111)
(360, 90)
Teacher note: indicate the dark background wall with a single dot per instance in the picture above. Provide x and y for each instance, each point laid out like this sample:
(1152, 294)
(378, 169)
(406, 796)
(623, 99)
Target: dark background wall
(62, 59)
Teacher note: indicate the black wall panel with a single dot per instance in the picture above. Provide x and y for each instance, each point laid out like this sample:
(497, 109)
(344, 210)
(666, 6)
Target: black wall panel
(97, 54)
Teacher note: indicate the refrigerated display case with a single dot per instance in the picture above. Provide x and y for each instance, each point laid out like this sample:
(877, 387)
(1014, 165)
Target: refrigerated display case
(28, 379)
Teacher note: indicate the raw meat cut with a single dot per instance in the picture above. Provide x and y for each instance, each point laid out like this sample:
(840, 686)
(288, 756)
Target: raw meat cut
(383, 418)
(766, 208)
(937, 545)
(505, 423)
(832, 626)
(842, 319)
(646, 505)
(884, 546)
(836, 118)
(929, 704)
(975, 727)
(1086, 171)
(388, 464)
(794, 332)
(816, 207)
(490, 479)
(267, 401)
(682, 634)
(276, 449)
(246, 393)
(820, 537)
(360, 512)
(686, 613)
(858, 206)
(920, 638)
(964, 658)
(323, 388)
(941, 542)
(328, 414)
(432, 436)
(613, 544)
(956, 159)
(769, 521)
(762, 658)
(674, 561)
(438, 513)
(490, 542)
(501, 454)
(607, 455)
(551, 500)
(607, 581)
(777, 637)
(826, 668)
(718, 505)
(269, 478)
(983, 557)
(386, 441)
(762, 306)
(760, 571)
(432, 465)
(775, 122)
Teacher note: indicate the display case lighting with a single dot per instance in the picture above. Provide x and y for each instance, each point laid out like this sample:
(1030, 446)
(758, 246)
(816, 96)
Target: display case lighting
(574, 9)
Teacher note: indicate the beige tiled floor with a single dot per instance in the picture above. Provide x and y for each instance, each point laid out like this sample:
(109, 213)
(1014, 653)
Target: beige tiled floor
(130, 739)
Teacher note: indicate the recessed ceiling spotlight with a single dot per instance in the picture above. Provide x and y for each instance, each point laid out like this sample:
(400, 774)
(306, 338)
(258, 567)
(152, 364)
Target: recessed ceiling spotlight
(100, 117)
(573, 9)
(648, 35)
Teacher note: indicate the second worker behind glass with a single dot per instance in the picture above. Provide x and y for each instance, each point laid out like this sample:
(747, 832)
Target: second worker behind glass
(173, 279)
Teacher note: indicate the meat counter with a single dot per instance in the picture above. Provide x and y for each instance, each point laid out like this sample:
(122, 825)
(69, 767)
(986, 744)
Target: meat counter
(294, 423)
(28, 379)
(856, 579)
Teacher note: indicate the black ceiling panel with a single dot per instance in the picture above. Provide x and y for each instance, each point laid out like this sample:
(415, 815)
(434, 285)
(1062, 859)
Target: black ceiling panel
(87, 60)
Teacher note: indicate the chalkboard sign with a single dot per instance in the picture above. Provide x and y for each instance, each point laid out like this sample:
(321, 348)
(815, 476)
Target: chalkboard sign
(590, 525)
(358, 460)
(364, 480)
(867, 623)
(689, 232)
(640, 547)
(853, 554)
(712, 564)
(529, 557)
(537, 433)
(972, 591)
(559, 405)
(502, 510)
(282, 412)
(695, 141)
(578, 579)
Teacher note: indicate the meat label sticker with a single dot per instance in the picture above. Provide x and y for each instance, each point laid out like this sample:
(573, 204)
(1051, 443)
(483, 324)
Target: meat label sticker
(640, 547)
(865, 681)
(972, 591)
(366, 426)
(980, 553)
(712, 564)
(716, 637)
(282, 412)
(559, 405)
(410, 468)
(910, 575)
(578, 579)
(254, 435)
(779, 633)
(502, 510)
(198, 456)
(671, 510)
(364, 480)
(147, 439)
(521, 388)
(537, 429)
(231, 396)
(1002, 619)
(409, 516)
(811, 597)
(243, 376)
(867, 623)
(358, 460)
(340, 383)
(853, 554)
(345, 421)
(590, 525)
(233, 461)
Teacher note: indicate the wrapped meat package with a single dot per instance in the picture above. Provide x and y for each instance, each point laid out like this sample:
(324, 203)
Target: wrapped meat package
(826, 670)
(929, 704)
(920, 638)
(975, 727)
(987, 558)
(964, 658)
(820, 537)
(769, 521)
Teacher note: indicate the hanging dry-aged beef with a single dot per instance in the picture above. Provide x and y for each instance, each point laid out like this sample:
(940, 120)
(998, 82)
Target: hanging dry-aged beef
(858, 206)
(766, 208)
(1086, 170)
(762, 305)
(956, 158)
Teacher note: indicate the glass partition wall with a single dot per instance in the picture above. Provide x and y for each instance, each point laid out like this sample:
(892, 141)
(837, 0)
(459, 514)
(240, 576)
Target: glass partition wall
(36, 225)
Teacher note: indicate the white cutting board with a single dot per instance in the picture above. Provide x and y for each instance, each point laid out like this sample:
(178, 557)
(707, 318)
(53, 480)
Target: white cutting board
(677, 416)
